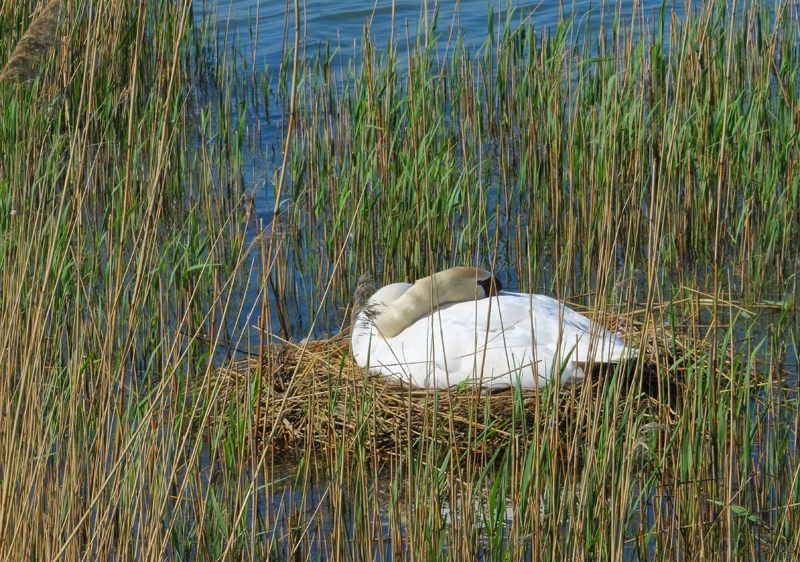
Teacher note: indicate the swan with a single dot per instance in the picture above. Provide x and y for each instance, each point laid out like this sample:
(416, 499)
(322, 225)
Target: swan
(459, 326)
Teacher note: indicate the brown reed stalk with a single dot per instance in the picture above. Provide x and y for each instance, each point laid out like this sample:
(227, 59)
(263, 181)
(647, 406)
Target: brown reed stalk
(25, 62)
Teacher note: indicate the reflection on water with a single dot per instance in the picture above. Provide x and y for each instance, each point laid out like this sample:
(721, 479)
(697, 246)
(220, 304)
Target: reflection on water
(308, 517)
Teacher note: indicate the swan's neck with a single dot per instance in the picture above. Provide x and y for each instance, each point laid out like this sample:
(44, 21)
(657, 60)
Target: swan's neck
(421, 299)
(411, 306)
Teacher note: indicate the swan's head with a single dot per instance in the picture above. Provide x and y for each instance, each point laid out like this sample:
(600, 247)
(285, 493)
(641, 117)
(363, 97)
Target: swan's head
(397, 306)
(460, 284)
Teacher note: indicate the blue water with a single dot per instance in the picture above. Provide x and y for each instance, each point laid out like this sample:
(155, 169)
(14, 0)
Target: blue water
(342, 23)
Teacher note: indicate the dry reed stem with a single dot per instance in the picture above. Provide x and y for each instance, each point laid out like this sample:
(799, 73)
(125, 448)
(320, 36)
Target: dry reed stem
(24, 63)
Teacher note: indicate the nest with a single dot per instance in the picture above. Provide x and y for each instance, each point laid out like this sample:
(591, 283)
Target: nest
(313, 394)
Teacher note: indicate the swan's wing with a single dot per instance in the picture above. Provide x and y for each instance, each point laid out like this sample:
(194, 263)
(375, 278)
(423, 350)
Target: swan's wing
(510, 339)
(587, 341)
(473, 341)
(511, 336)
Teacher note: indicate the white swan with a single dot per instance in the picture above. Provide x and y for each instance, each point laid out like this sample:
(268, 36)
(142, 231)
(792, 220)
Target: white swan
(443, 331)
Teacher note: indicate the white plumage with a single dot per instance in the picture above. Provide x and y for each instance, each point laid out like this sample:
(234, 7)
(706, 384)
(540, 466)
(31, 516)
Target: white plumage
(508, 339)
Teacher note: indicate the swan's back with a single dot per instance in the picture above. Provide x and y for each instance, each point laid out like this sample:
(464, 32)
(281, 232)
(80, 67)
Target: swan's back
(511, 339)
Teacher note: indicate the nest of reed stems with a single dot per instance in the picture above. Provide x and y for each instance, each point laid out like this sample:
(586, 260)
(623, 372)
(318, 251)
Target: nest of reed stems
(313, 394)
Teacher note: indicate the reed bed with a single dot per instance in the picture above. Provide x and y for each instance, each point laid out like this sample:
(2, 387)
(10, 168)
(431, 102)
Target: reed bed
(669, 144)
(644, 170)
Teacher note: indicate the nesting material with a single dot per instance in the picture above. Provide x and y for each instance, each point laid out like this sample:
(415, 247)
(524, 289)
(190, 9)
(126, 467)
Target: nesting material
(313, 394)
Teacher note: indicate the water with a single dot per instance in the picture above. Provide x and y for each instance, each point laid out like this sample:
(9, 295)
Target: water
(341, 24)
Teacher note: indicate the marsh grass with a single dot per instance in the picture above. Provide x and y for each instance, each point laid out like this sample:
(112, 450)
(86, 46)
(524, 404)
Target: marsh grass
(130, 262)
(670, 147)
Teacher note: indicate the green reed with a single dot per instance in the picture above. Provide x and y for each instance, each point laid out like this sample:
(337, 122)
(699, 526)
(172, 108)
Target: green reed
(121, 257)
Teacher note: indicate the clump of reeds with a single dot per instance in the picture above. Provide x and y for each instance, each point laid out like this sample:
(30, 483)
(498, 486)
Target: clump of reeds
(27, 58)
(663, 142)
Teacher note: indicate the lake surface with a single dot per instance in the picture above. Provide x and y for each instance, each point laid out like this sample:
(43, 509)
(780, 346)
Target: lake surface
(343, 23)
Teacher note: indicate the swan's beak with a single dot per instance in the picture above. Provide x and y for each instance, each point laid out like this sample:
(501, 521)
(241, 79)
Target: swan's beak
(494, 287)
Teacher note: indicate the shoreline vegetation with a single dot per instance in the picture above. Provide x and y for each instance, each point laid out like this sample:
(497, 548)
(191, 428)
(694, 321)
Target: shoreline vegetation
(175, 375)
